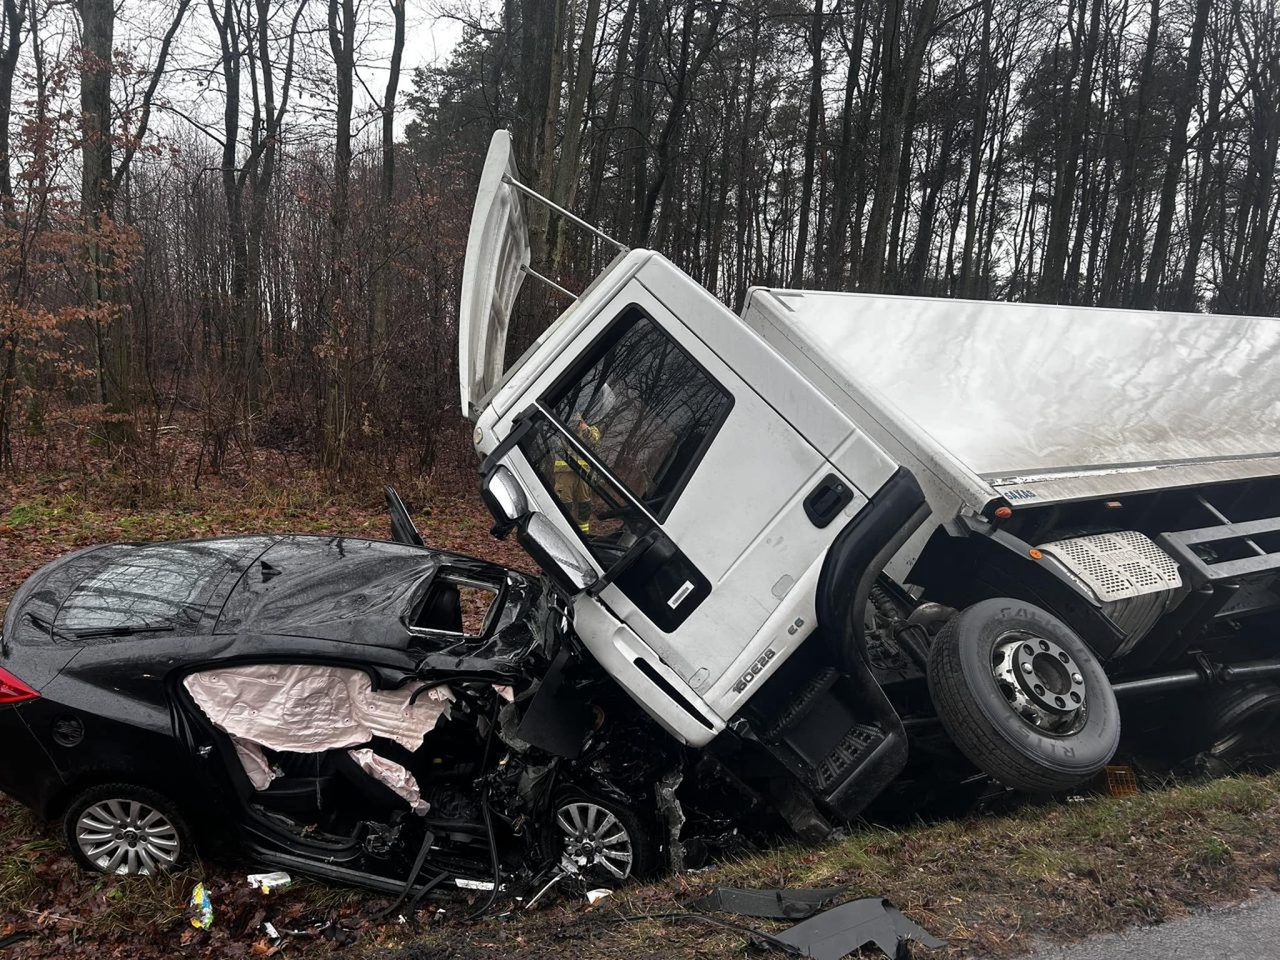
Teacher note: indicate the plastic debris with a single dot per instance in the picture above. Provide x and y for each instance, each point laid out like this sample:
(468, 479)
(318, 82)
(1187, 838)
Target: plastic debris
(781, 904)
(1120, 780)
(267, 882)
(840, 931)
(201, 908)
(462, 883)
(595, 896)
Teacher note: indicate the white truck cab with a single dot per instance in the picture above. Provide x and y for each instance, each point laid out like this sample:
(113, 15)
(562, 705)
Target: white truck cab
(853, 477)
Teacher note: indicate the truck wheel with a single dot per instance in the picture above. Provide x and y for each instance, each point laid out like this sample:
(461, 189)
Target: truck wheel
(1235, 727)
(1022, 696)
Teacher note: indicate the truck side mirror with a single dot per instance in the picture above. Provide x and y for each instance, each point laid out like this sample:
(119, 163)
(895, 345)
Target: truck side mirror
(554, 553)
(505, 498)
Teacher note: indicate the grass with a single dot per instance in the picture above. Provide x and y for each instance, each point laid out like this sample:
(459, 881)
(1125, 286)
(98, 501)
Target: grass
(991, 885)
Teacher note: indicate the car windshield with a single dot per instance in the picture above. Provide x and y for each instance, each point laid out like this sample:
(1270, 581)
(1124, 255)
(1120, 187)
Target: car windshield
(162, 586)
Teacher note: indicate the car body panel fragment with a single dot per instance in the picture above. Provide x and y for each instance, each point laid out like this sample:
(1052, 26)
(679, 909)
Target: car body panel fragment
(840, 931)
(779, 904)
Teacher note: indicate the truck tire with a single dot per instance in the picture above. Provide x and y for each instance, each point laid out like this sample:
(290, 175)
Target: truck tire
(1235, 727)
(1022, 696)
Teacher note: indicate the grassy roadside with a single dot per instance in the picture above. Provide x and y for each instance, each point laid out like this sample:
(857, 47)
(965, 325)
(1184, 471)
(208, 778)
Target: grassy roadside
(991, 885)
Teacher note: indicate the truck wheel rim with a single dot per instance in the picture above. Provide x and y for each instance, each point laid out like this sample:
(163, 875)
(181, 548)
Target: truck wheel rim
(594, 837)
(127, 837)
(1042, 682)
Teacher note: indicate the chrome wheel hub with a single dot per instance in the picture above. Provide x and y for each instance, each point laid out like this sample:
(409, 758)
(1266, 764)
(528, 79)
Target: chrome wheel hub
(594, 837)
(127, 837)
(1042, 682)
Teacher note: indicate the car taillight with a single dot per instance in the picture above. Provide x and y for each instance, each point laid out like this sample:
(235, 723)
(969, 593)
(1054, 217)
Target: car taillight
(13, 690)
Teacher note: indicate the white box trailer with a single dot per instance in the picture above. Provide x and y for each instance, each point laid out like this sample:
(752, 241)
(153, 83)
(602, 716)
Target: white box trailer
(792, 533)
(1038, 402)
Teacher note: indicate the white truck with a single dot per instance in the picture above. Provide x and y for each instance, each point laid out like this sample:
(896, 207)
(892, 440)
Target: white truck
(793, 533)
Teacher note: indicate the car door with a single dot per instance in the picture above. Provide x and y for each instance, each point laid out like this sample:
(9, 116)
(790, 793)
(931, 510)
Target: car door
(688, 492)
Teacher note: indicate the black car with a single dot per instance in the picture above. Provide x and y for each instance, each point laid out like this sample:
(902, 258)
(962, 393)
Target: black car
(373, 712)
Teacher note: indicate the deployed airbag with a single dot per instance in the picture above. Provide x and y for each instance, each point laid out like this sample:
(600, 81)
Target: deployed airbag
(392, 775)
(310, 708)
(256, 765)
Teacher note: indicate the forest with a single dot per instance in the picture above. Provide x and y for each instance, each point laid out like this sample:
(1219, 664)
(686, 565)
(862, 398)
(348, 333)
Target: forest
(243, 221)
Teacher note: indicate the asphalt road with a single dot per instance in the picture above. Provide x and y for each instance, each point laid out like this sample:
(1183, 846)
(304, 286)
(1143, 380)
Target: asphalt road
(1250, 931)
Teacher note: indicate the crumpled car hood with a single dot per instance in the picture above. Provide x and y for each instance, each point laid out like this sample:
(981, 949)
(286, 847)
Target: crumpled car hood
(336, 588)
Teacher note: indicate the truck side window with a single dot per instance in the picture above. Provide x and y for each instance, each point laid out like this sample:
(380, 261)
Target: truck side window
(606, 519)
(643, 407)
(663, 583)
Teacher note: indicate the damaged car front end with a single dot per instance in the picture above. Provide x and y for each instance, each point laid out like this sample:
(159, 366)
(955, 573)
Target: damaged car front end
(371, 712)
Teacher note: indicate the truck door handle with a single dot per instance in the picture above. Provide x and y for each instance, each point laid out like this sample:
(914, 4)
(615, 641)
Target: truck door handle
(828, 498)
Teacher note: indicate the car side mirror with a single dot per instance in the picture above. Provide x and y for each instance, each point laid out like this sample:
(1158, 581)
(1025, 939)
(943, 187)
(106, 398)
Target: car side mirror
(505, 498)
(555, 554)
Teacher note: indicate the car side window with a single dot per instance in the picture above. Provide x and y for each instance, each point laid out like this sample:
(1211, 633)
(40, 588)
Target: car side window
(454, 604)
(643, 407)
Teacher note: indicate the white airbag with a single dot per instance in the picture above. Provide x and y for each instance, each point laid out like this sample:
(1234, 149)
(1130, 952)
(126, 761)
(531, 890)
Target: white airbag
(256, 765)
(392, 775)
(310, 708)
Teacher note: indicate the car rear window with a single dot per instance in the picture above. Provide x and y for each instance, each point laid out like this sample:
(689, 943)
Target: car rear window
(159, 586)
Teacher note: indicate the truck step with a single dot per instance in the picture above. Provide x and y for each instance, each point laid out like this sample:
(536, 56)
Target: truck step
(845, 757)
(796, 709)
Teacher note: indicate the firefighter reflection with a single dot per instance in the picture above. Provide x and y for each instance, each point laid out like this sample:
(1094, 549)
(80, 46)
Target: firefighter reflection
(571, 472)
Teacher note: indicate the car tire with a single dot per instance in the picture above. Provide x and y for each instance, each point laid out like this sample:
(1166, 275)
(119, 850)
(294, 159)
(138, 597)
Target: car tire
(124, 829)
(569, 832)
(985, 668)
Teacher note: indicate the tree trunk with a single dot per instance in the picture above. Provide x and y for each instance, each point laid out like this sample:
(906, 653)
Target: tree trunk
(1177, 154)
(387, 184)
(900, 75)
(817, 33)
(342, 28)
(1064, 197)
(565, 182)
(110, 324)
(977, 141)
(1112, 293)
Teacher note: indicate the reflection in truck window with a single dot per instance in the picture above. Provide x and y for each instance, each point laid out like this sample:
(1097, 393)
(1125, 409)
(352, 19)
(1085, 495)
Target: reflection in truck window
(644, 409)
(607, 519)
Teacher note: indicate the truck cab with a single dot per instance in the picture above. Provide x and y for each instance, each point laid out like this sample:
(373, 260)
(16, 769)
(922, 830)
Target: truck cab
(741, 537)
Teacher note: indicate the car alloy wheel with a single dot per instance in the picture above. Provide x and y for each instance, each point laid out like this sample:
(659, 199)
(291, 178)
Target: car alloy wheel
(124, 836)
(595, 840)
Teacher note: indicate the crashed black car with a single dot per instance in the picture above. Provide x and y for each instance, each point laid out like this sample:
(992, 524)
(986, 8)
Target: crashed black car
(372, 712)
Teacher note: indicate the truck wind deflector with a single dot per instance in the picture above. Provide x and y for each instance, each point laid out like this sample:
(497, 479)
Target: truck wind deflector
(497, 260)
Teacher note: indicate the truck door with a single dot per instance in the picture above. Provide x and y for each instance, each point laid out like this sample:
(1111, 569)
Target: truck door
(693, 497)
